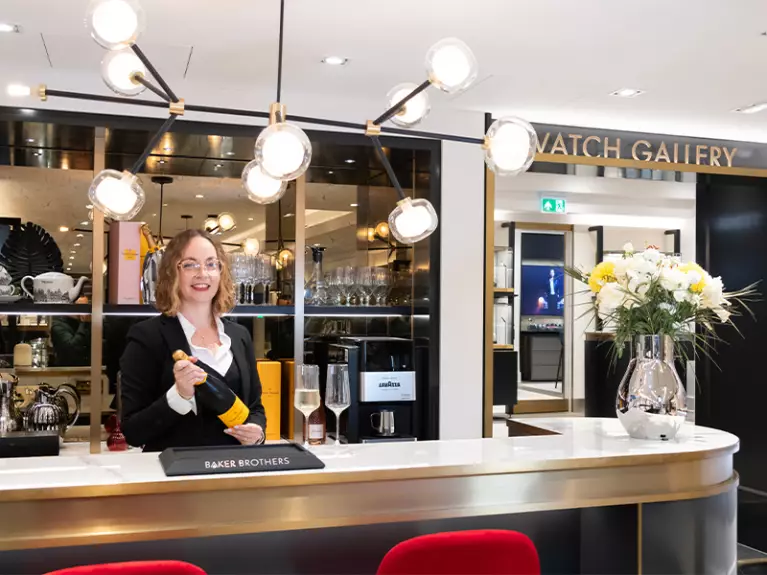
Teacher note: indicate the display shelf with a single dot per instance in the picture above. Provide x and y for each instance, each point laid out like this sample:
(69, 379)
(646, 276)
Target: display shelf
(501, 346)
(503, 290)
(27, 307)
(285, 310)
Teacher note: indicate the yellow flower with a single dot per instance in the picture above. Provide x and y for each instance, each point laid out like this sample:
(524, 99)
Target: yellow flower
(601, 274)
(698, 286)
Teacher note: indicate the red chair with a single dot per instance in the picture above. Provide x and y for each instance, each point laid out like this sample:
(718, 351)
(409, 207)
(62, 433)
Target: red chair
(134, 568)
(490, 552)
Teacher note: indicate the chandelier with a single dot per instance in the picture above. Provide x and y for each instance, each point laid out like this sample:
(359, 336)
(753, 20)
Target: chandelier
(283, 151)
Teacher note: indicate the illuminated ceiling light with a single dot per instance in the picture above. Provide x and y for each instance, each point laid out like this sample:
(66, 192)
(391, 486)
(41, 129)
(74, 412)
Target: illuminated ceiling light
(71, 257)
(226, 222)
(210, 224)
(412, 220)
(627, 93)
(168, 149)
(451, 65)
(510, 146)
(335, 60)
(283, 151)
(371, 234)
(27, 111)
(353, 205)
(18, 90)
(752, 109)
(118, 195)
(63, 229)
(250, 219)
(349, 161)
(88, 206)
(285, 256)
(30, 140)
(115, 24)
(72, 251)
(413, 111)
(251, 246)
(10, 28)
(77, 245)
(198, 196)
(85, 223)
(80, 235)
(119, 71)
(382, 230)
(261, 188)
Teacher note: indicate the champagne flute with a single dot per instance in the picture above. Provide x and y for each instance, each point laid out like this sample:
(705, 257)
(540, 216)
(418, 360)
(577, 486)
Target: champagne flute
(307, 394)
(337, 396)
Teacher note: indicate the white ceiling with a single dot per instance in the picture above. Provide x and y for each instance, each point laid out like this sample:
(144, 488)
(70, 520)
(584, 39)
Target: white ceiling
(549, 61)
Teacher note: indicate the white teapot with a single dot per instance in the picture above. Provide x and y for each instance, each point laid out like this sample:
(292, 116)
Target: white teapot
(53, 287)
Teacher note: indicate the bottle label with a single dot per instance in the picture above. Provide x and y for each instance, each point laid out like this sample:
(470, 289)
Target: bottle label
(235, 415)
(316, 431)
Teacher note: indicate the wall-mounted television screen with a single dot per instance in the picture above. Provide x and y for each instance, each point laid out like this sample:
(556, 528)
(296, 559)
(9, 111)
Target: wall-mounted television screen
(543, 290)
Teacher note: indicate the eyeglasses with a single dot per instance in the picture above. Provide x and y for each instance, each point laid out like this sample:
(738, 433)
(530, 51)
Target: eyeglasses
(192, 266)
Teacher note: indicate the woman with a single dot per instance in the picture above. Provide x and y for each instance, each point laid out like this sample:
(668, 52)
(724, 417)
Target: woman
(159, 410)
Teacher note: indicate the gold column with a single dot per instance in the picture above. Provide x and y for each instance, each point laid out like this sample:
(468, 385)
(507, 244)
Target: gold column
(487, 396)
(97, 300)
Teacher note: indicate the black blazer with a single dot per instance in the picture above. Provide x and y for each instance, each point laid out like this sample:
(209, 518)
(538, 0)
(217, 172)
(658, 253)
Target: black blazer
(147, 375)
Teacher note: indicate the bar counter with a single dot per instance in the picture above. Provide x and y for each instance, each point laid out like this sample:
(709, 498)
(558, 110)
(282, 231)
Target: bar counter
(377, 494)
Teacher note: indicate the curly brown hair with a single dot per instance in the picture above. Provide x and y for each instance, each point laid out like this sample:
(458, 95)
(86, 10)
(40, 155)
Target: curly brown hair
(168, 300)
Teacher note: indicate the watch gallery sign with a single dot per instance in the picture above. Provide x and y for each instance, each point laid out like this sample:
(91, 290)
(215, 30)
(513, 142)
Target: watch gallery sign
(574, 145)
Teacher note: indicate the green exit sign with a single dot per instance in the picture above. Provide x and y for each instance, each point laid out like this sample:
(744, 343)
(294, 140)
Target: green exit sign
(553, 206)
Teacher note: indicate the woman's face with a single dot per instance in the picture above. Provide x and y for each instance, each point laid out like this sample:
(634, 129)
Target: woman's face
(199, 272)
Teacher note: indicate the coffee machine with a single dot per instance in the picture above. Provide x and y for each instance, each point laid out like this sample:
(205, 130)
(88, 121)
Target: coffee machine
(384, 386)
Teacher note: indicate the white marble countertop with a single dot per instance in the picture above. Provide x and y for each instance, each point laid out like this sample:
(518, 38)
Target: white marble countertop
(581, 443)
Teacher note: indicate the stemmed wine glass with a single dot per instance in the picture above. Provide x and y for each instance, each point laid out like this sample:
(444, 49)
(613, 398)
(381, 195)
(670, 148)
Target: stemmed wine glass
(307, 394)
(380, 284)
(337, 397)
(345, 280)
(364, 284)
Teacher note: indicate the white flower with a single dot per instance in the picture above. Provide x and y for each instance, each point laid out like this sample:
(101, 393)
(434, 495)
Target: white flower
(722, 314)
(628, 248)
(609, 298)
(673, 279)
(712, 294)
(621, 268)
(651, 255)
(693, 277)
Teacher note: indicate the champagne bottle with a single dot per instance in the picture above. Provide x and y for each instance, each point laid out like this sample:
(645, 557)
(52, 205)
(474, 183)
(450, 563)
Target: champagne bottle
(314, 426)
(149, 272)
(218, 397)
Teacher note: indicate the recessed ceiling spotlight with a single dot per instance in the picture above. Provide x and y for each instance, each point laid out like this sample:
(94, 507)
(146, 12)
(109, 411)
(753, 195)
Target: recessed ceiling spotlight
(168, 149)
(161, 161)
(752, 109)
(88, 206)
(18, 90)
(230, 153)
(199, 196)
(219, 166)
(250, 219)
(30, 140)
(37, 154)
(76, 245)
(330, 172)
(63, 229)
(85, 223)
(165, 205)
(349, 161)
(335, 60)
(27, 111)
(12, 28)
(71, 257)
(72, 251)
(80, 236)
(353, 205)
(627, 93)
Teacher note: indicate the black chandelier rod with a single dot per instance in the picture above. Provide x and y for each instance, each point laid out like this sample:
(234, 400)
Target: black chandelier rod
(264, 115)
(279, 54)
(154, 72)
(398, 106)
(387, 166)
(154, 141)
(144, 82)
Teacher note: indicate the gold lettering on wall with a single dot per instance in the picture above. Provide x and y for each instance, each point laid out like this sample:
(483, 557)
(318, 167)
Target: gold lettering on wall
(662, 154)
(646, 155)
(588, 139)
(700, 153)
(729, 156)
(575, 138)
(687, 153)
(616, 148)
(676, 153)
(559, 145)
(542, 143)
(716, 153)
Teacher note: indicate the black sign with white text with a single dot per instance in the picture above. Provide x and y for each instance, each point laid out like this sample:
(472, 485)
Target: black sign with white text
(237, 459)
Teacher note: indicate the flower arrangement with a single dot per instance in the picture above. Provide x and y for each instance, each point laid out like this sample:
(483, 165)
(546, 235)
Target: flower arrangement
(649, 293)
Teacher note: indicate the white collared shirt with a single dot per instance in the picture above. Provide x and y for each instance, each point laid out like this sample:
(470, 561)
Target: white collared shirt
(220, 360)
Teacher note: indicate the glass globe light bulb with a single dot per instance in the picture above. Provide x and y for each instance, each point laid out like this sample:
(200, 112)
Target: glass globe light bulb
(412, 220)
(115, 24)
(261, 188)
(251, 246)
(118, 194)
(285, 256)
(283, 151)
(226, 222)
(117, 70)
(382, 229)
(510, 146)
(414, 110)
(210, 225)
(451, 65)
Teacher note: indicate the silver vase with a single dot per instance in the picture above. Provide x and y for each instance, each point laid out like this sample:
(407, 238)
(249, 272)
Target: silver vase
(651, 402)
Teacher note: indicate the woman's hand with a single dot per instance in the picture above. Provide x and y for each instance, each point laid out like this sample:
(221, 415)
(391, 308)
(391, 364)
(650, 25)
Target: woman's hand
(186, 375)
(247, 433)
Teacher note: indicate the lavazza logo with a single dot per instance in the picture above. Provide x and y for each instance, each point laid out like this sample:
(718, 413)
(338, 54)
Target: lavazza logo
(248, 463)
(389, 383)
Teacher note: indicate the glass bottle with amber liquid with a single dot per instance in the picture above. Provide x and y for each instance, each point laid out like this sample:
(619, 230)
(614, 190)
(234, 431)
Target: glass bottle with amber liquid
(314, 426)
(218, 397)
